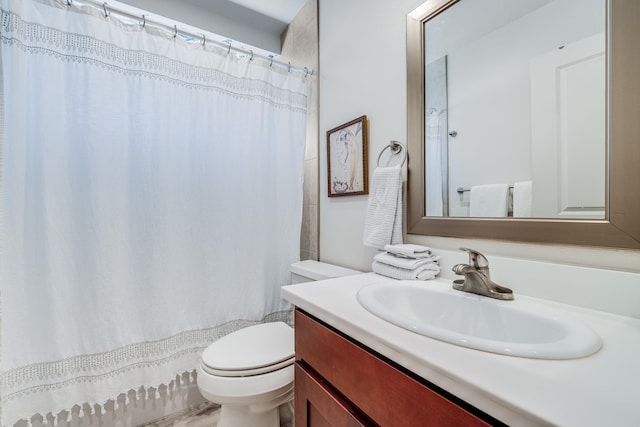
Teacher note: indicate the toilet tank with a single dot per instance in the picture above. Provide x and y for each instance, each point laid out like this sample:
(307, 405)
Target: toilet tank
(310, 270)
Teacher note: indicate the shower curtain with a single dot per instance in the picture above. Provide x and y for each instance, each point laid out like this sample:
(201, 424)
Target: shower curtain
(151, 202)
(435, 177)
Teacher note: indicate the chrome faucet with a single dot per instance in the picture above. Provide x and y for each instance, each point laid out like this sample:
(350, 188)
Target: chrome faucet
(477, 279)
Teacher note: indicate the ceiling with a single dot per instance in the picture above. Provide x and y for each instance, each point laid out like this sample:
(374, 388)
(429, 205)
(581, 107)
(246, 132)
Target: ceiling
(281, 10)
(270, 17)
(253, 23)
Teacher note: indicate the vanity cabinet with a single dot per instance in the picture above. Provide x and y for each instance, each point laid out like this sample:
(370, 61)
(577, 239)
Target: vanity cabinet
(339, 382)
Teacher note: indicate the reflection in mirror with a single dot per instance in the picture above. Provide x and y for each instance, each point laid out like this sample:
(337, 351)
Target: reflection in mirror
(515, 109)
(566, 224)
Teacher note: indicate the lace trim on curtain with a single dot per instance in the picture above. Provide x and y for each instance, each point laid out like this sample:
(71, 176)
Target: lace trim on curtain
(87, 414)
(72, 47)
(48, 377)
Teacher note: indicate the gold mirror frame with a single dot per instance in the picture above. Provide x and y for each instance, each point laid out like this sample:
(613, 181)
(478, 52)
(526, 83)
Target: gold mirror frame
(621, 226)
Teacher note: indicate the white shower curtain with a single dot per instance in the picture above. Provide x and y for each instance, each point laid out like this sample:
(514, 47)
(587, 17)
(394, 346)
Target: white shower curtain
(434, 178)
(151, 201)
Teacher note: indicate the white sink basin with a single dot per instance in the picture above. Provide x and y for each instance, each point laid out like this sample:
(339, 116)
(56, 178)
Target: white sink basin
(516, 328)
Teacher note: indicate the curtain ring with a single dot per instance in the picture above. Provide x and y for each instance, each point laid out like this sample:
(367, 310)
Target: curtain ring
(204, 39)
(306, 72)
(270, 61)
(69, 2)
(229, 50)
(144, 21)
(289, 69)
(106, 12)
(175, 31)
(251, 57)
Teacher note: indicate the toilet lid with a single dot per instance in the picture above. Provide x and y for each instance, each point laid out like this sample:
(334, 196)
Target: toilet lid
(251, 348)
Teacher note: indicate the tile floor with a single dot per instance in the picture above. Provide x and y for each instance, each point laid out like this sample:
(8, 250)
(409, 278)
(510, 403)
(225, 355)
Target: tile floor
(206, 415)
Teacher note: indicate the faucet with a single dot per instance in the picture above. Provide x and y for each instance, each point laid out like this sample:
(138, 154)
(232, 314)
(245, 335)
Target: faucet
(477, 279)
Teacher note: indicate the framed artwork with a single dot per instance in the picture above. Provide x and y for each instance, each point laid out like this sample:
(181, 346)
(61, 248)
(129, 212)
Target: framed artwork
(347, 158)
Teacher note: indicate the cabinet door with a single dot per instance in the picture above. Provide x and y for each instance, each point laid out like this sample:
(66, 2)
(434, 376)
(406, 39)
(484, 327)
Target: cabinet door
(319, 406)
(386, 396)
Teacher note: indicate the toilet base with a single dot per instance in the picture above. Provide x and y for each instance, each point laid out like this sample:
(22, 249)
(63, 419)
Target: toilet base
(234, 416)
(256, 415)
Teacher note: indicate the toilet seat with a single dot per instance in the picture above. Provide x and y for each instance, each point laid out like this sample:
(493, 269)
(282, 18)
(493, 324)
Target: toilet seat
(250, 372)
(255, 350)
(247, 372)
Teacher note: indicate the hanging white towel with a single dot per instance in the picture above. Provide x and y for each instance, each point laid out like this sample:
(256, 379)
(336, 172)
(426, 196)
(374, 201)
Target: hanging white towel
(383, 223)
(426, 272)
(522, 199)
(404, 262)
(489, 200)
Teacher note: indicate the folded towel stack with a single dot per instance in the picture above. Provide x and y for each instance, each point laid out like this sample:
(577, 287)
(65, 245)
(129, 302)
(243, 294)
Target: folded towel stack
(406, 262)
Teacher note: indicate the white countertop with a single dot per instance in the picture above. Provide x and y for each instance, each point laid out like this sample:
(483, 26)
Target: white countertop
(599, 390)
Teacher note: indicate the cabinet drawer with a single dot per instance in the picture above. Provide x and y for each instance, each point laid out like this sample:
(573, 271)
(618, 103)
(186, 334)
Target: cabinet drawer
(386, 395)
(317, 405)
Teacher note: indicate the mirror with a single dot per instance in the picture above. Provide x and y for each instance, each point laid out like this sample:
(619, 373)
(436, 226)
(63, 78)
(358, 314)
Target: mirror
(464, 62)
(516, 98)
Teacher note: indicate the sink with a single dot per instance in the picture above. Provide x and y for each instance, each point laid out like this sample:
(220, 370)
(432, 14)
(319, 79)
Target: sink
(520, 328)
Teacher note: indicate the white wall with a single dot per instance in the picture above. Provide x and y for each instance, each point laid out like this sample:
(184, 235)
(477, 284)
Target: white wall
(362, 71)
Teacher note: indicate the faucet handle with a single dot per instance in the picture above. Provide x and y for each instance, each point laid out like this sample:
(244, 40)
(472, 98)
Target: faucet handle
(476, 277)
(476, 259)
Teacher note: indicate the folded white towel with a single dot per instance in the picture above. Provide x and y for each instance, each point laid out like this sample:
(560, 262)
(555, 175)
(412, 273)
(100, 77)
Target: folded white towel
(522, 199)
(490, 200)
(383, 223)
(426, 272)
(409, 250)
(404, 262)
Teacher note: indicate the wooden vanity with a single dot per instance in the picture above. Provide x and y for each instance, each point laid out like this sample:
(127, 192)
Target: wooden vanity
(340, 382)
(355, 369)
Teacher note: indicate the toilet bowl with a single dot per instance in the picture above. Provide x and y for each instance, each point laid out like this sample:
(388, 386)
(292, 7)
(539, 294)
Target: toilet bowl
(250, 374)
(250, 371)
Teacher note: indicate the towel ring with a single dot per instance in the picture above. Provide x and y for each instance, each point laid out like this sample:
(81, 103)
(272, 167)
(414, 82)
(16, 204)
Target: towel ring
(396, 147)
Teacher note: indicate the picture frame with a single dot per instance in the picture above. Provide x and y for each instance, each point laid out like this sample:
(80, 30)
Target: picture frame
(347, 159)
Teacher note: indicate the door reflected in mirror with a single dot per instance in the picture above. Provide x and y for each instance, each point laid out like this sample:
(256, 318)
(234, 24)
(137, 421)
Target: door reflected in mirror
(516, 109)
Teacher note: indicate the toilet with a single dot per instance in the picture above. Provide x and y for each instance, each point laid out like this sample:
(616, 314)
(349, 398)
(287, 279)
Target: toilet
(250, 371)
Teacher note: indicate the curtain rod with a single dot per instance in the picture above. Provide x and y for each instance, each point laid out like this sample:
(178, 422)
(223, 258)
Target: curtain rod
(144, 20)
